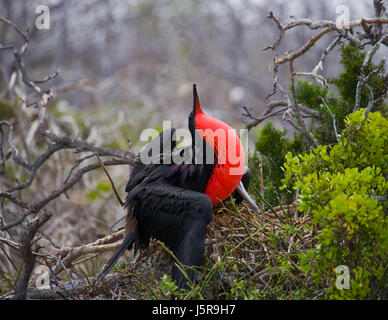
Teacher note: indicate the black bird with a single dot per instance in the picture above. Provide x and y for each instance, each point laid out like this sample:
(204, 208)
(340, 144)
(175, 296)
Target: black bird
(173, 202)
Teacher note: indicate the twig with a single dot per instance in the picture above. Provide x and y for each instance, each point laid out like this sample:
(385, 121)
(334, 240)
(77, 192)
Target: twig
(258, 120)
(261, 190)
(323, 27)
(371, 100)
(333, 117)
(275, 79)
(20, 32)
(111, 181)
(325, 53)
(107, 243)
(362, 77)
(55, 194)
(48, 78)
(292, 56)
(281, 34)
(320, 79)
(307, 134)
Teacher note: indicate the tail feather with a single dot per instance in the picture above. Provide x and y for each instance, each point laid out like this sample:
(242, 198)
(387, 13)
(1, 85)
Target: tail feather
(128, 240)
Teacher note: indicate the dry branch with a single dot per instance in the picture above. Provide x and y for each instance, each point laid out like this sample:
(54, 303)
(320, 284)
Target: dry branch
(306, 133)
(333, 117)
(363, 78)
(371, 32)
(28, 258)
(292, 56)
(108, 243)
(16, 206)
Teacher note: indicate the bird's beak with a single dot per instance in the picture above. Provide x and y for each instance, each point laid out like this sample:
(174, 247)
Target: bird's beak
(197, 105)
(241, 190)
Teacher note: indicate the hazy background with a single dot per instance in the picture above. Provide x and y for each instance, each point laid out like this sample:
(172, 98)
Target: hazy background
(141, 57)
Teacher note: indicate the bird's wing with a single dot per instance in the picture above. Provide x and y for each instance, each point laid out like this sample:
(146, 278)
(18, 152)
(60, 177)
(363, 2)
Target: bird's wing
(176, 216)
(159, 149)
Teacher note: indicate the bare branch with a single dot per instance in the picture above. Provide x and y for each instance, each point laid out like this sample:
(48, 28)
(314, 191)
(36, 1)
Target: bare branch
(292, 56)
(306, 133)
(21, 216)
(108, 243)
(111, 181)
(327, 26)
(275, 79)
(258, 120)
(281, 34)
(48, 78)
(20, 32)
(55, 194)
(320, 79)
(362, 78)
(325, 53)
(28, 258)
(333, 117)
(371, 100)
(293, 109)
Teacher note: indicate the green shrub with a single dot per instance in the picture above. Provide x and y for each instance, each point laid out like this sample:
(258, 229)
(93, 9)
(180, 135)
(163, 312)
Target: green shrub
(342, 188)
(342, 103)
(273, 145)
(346, 82)
(241, 290)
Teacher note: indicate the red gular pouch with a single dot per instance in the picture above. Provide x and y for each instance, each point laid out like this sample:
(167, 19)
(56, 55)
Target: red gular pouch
(229, 156)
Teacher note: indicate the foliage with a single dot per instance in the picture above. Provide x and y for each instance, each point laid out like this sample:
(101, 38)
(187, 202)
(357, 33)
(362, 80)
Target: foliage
(309, 94)
(273, 145)
(340, 187)
(7, 284)
(102, 188)
(168, 288)
(346, 82)
(242, 290)
(6, 111)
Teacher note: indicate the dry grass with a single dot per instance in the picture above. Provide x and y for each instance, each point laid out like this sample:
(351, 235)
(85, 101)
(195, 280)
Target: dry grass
(247, 256)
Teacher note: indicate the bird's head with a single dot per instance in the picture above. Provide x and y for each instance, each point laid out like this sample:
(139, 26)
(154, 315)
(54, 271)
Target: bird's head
(225, 145)
(223, 139)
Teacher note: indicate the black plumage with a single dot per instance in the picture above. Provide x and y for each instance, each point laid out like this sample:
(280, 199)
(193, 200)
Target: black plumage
(166, 201)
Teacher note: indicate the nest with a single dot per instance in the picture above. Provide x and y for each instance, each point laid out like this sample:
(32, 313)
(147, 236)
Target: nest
(244, 244)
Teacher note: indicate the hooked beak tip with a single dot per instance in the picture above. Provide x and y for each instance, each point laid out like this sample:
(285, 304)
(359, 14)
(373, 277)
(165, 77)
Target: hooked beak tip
(245, 195)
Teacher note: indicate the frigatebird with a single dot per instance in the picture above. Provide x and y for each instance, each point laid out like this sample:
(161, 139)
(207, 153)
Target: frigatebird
(173, 202)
